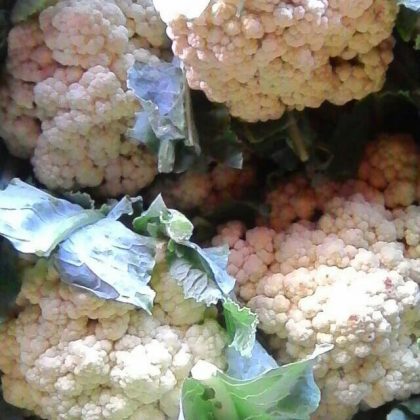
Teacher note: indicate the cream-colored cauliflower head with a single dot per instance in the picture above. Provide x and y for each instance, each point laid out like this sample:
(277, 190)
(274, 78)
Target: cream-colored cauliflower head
(391, 164)
(82, 144)
(272, 55)
(144, 21)
(65, 104)
(19, 126)
(84, 33)
(29, 59)
(349, 279)
(70, 355)
(205, 191)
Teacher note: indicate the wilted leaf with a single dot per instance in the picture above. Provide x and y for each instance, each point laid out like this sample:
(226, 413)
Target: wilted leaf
(166, 120)
(241, 325)
(111, 261)
(159, 221)
(36, 222)
(286, 392)
(410, 4)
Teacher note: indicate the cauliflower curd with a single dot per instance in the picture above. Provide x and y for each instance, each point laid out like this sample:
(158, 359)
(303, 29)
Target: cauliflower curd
(274, 55)
(65, 103)
(69, 355)
(350, 279)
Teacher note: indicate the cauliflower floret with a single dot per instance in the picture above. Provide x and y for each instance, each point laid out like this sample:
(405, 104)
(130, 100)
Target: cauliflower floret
(72, 121)
(82, 143)
(29, 59)
(84, 33)
(347, 280)
(170, 304)
(205, 191)
(391, 164)
(19, 126)
(408, 226)
(277, 55)
(71, 355)
(144, 21)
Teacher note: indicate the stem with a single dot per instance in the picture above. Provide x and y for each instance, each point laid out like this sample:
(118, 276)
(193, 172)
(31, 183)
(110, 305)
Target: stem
(297, 138)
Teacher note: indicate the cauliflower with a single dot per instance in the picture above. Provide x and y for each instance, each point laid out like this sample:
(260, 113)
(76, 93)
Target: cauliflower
(66, 105)
(205, 190)
(350, 279)
(70, 355)
(275, 55)
(391, 164)
(19, 126)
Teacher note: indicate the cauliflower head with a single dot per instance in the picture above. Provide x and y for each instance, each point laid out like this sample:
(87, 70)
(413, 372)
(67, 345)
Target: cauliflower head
(69, 355)
(350, 279)
(65, 104)
(263, 57)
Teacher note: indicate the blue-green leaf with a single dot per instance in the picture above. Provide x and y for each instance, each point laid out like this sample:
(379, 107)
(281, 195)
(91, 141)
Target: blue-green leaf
(158, 220)
(24, 9)
(35, 222)
(286, 392)
(241, 325)
(410, 4)
(111, 261)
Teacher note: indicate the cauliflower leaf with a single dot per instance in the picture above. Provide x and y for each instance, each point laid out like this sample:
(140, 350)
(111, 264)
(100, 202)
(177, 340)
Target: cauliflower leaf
(24, 9)
(111, 261)
(159, 221)
(410, 4)
(241, 325)
(165, 124)
(406, 410)
(35, 222)
(284, 392)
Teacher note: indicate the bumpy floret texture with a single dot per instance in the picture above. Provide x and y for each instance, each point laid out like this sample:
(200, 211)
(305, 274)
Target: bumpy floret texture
(69, 355)
(19, 126)
(391, 164)
(276, 55)
(66, 103)
(388, 174)
(205, 191)
(350, 279)
(144, 21)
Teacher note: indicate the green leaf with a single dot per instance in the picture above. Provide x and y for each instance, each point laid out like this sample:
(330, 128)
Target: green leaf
(160, 221)
(166, 120)
(286, 392)
(406, 24)
(410, 4)
(241, 325)
(413, 405)
(187, 268)
(36, 222)
(244, 368)
(9, 279)
(24, 9)
(111, 261)
(201, 272)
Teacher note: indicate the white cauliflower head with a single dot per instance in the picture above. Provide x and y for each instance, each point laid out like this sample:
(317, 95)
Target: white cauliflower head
(66, 105)
(350, 279)
(82, 142)
(70, 355)
(275, 55)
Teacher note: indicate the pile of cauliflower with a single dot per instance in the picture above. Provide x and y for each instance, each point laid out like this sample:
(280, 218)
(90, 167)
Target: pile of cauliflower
(69, 355)
(65, 103)
(206, 190)
(262, 57)
(349, 278)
